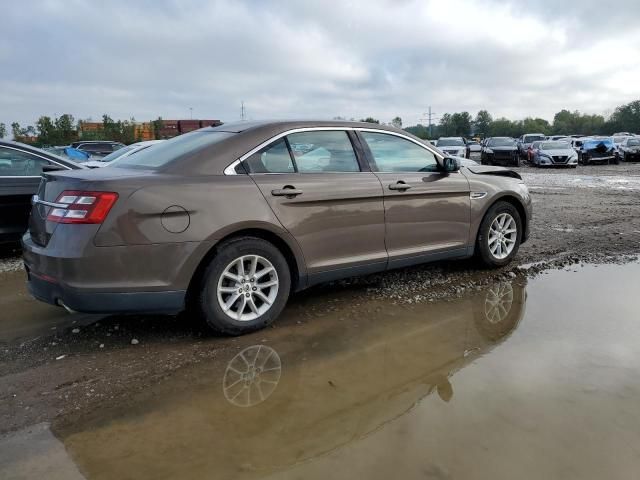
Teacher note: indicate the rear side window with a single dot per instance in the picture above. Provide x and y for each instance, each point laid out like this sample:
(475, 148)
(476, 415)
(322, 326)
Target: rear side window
(14, 163)
(396, 154)
(273, 158)
(323, 151)
(165, 152)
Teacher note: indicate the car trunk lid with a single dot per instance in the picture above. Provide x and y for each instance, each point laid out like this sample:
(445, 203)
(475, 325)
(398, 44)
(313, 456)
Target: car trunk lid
(52, 184)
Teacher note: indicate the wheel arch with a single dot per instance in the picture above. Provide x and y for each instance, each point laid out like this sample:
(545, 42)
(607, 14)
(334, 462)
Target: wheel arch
(287, 247)
(517, 204)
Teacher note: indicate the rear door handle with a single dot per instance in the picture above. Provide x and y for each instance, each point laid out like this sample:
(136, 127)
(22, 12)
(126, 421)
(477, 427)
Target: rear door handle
(400, 185)
(286, 191)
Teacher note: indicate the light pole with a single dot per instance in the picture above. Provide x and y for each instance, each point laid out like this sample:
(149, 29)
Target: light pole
(191, 113)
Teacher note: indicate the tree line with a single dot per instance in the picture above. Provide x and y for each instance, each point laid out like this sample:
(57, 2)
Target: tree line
(64, 130)
(625, 118)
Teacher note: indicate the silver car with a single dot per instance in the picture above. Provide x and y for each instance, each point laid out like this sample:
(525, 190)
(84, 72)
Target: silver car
(550, 153)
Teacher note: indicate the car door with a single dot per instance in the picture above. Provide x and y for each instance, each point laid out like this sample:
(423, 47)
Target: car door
(427, 210)
(316, 186)
(19, 179)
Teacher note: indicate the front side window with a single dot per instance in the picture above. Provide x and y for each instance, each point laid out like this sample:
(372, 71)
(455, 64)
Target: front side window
(273, 158)
(14, 163)
(396, 154)
(323, 151)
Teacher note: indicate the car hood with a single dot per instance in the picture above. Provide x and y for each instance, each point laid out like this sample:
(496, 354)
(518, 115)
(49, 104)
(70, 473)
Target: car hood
(559, 152)
(497, 171)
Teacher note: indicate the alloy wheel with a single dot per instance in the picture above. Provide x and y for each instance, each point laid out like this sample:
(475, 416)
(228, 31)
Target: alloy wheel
(498, 302)
(503, 235)
(247, 288)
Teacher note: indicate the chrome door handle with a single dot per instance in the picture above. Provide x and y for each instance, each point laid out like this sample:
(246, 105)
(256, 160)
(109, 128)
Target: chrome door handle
(286, 191)
(399, 186)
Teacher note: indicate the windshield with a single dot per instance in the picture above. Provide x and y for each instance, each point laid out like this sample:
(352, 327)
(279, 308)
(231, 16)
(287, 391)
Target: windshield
(501, 142)
(450, 142)
(532, 138)
(117, 154)
(619, 139)
(633, 143)
(554, 145)
(163, 153)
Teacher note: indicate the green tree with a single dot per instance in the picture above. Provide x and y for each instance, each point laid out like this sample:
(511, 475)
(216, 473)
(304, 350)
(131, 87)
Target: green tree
(397, 122)
(3, 130)
(446, 127)
(46, 131)
(158, 125)
(16, 130)
(461, 123)
(482, 123)
(625, 118)
(370, 120)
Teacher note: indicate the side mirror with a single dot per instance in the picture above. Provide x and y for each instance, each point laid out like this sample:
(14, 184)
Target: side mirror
(450, 164)
(52, 168)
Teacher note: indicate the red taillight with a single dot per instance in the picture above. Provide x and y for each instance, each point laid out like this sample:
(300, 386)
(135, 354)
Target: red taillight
(82, 207)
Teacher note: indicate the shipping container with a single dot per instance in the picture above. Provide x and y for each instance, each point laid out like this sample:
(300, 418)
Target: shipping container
(210, 123)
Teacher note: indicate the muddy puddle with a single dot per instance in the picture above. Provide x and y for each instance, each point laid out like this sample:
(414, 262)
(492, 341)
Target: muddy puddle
(537, 380)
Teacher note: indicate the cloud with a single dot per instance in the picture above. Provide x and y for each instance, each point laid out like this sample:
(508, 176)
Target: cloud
(315, 58)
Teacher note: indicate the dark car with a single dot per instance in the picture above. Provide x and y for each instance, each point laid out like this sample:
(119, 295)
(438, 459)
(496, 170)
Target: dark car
(230, 220)
(599, 150)
(630, 149)
(500, 151)
(100, 148)
(20, 169)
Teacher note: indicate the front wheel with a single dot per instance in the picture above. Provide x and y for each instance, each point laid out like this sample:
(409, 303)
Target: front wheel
(499, 235)
(245, 286)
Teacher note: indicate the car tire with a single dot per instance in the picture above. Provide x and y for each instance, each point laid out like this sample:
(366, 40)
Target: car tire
(255, 307)
(489, 248)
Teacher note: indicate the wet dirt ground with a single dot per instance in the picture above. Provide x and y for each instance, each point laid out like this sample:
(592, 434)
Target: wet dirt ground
(396, 371)
(521, 379)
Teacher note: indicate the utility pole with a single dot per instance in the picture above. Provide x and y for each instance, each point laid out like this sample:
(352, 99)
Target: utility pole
(191, 113)
(242, 112)
(429, 116)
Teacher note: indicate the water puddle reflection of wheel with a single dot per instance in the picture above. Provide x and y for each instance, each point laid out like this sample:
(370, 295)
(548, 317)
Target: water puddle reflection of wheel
(499, 310)
(498, 302)
(252, 376)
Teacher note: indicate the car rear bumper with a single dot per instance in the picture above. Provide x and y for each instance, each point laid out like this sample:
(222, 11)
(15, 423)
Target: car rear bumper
(86, 278)
(48, 290)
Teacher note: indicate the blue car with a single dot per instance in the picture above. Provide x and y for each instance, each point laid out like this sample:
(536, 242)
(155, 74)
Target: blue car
(599, 150)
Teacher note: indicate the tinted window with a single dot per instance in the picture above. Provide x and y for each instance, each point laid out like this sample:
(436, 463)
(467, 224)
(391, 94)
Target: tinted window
(14, 163)
(118, 153)
(323, 152)
(501, 142)
(396, 154)
(633, 143)
(532, 138)
(169, 150)
(273, 158)
(91, 147)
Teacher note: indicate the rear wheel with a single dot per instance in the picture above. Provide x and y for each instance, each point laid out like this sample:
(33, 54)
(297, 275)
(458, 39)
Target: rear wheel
(499, 235)
(245, 286)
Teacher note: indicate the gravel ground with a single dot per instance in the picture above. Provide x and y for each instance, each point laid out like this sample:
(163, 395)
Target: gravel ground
(584, 215)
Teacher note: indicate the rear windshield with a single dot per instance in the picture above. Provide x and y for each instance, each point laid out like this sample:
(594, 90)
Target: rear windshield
(554, 145)
(165, 152)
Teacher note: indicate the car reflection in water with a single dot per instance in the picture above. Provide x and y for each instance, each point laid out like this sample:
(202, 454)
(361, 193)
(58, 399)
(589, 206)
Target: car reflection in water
(312, 391)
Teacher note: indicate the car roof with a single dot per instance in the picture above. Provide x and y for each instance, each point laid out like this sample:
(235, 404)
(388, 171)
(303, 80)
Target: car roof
(238, 127)
(39, 151)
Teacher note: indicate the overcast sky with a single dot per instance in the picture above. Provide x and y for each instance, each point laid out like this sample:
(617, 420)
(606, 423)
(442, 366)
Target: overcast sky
(316, 58)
